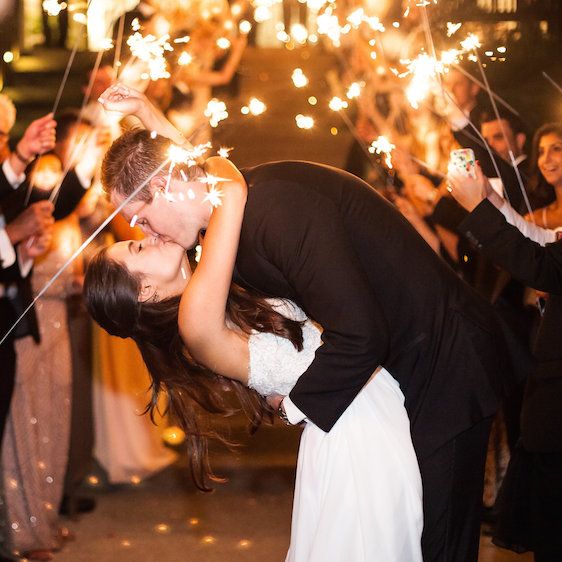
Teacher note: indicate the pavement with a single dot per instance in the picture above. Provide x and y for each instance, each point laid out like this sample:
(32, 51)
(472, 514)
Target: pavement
(165, 519)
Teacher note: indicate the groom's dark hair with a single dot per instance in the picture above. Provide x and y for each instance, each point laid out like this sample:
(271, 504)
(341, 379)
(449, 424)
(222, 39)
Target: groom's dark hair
(132, 158)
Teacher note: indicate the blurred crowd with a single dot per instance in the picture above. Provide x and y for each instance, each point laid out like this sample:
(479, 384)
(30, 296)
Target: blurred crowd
(64, 380)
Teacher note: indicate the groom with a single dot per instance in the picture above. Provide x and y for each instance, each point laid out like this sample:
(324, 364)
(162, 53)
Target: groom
(326, 240)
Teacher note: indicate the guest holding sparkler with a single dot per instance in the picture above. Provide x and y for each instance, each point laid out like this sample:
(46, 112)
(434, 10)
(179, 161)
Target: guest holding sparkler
(529, 503)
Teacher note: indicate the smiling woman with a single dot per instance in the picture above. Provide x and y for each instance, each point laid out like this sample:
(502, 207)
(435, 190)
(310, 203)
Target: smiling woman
(547, 157)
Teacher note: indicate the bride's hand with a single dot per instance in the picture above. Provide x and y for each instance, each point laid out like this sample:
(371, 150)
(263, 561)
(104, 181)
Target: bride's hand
(123, 100)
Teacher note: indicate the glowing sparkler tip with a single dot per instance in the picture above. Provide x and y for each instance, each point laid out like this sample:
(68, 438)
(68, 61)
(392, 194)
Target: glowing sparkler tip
(224, 152)
(214, 196)
(337, 104)
(304, 121)
(134, 221)
(299, 78)
(382, 145)
(471, 43)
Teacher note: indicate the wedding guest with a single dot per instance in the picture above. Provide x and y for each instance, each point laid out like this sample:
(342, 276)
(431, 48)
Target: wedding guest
(35, 448)
(529, 502)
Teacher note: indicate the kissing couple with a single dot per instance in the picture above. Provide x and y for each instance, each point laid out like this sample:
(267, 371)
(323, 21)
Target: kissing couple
(313, 297)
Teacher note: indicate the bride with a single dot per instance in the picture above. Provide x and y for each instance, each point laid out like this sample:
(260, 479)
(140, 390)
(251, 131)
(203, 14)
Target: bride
(358, 488)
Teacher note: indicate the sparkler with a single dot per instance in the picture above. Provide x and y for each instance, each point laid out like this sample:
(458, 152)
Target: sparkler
(118, 45)
(304, 121)
(53, 8)
(151, 50)
(452, 28)
(215, 111)
(224, 152)
(254, 107)
(382, 145)
(299, 78)
(473, 42)
(552, 82)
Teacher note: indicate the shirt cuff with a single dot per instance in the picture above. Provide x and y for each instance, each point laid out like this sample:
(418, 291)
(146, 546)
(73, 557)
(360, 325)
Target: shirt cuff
(24, 265)
(7, 252)
(13, 179)
(83, 177)
(294, 415)
(458, 122)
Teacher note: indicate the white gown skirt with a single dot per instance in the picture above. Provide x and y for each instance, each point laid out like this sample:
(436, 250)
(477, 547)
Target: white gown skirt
(358, 492)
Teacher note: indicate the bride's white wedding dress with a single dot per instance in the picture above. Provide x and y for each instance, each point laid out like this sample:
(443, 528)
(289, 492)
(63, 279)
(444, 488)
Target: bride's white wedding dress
(358, 493)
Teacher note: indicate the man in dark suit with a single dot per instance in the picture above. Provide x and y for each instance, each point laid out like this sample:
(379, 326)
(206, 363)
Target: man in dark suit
(325, 239)
(536, 469)
(22, 232)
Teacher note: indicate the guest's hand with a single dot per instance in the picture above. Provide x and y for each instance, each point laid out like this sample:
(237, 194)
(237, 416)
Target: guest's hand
(35, 220)
(38, 138)
(36, 246)
(469, 192)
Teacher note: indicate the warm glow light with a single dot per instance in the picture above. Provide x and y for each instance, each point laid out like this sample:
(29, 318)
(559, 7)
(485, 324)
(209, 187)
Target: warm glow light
(223, 43)
(299, 79)
(8, 57)
(185, 58)
(304, 121)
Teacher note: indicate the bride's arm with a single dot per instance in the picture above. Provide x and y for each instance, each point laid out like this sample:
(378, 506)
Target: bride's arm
(123, 100)
(202, 313)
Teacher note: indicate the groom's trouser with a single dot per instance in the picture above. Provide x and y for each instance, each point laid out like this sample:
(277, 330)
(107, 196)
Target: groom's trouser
(453, 482)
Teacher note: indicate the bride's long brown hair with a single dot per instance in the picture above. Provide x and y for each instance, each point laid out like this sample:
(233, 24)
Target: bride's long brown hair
(111, 295)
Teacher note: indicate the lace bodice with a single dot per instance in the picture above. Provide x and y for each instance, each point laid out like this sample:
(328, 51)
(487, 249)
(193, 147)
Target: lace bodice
(275, 364)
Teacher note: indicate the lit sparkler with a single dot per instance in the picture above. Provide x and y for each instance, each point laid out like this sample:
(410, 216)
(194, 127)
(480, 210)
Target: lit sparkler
(304, 121)
(354, 90)
(215, 112)
(151, 50)
(299, 78)
(185, 58)
(53, 8)
(214, 196)
(383, 146)
(471, 43)
(254, 107)
(452, 28)
(337, 104)
(224, 152)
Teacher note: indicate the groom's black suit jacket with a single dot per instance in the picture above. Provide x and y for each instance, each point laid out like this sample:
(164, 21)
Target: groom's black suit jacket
(325, 239)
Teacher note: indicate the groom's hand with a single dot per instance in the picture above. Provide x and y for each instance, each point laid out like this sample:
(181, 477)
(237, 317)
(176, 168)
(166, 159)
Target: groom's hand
(274, 400)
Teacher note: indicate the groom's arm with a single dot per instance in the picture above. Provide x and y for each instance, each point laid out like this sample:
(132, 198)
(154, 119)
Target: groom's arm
(536, 266)
(302, 234)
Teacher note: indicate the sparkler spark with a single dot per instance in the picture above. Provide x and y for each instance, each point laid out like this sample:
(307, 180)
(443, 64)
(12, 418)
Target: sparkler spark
(180, 155)
(215, 112)
(254, 107)
(151, 50)
(224, 152)
(214, 196)
(53, 8)
(354, 90)
(383, 146)
(185, 58)
(337, 104)
(452, 28)
(471, 43)
(304, 121)
(299, 78)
